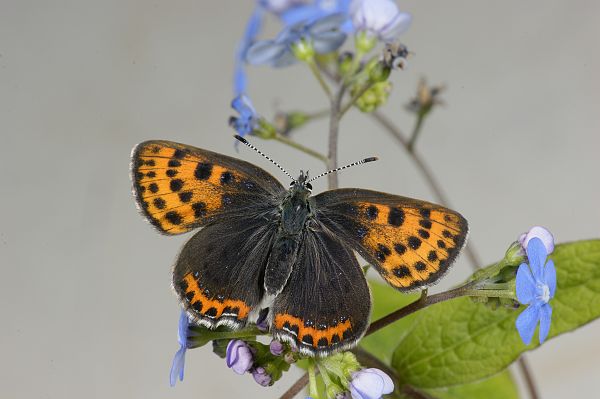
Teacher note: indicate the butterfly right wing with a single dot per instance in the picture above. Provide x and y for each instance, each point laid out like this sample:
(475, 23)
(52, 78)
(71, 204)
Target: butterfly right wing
(219, 273)
(179, 187)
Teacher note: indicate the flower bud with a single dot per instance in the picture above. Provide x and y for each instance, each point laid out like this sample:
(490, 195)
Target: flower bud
(261, 376)
(239, 356)
(303, 50)
(370, 384)
(276, 348)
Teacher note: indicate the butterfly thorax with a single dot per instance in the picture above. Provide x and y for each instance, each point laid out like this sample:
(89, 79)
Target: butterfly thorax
(295, 211)
(295, 208)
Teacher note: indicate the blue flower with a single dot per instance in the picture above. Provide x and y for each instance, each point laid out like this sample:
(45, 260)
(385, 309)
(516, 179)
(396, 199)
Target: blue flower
(248, 119)
(324, 35)
(239, 356)
(252, 28)
(370, 384)
(179, 359)
(380, 18)
(536, 285)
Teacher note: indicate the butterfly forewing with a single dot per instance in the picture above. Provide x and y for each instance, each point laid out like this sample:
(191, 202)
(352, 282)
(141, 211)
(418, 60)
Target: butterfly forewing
(411, 243)
(326, 303)
(180, 187)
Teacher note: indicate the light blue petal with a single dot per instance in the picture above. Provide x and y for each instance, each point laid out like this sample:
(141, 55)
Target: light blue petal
(182, 331)
(327, 42)
(525, 285)
(265, 52)
(527, 321)
(300, 13)
(240, 81)
(286, 59)
(536, 253)
(550, 277)
(177, 366)
(545, 320)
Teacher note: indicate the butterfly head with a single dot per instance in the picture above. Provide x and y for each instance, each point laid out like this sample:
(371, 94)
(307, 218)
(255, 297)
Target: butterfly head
(301, 187)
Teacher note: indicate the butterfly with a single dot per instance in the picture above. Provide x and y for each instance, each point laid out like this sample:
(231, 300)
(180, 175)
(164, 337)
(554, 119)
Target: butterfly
(262, 245)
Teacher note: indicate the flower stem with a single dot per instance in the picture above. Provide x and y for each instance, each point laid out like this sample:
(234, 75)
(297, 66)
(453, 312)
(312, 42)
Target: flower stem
(300, 147)
(317, 72)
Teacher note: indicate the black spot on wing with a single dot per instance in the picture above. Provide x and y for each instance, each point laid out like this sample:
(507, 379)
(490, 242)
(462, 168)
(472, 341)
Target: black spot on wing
(203, 171)
(396, 217)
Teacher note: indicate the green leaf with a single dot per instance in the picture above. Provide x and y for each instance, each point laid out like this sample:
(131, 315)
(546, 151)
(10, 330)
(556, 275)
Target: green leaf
(460, 341)
(385, 301)
(500, 386)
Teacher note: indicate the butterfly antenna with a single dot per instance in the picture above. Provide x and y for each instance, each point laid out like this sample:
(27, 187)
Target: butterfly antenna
(243, 140)
(370, 159)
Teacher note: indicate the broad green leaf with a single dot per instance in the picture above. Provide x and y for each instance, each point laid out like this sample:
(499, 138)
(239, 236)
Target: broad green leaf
(460, 341)
(385, 301)
(500, 386)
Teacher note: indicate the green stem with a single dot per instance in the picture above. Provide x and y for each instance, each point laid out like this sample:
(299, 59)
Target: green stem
(300, 147)
(317, 72)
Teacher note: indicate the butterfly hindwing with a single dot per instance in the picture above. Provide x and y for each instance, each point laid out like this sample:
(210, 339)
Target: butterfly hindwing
(411, 243)
(326, 303)
(218, 274)
(179, 187)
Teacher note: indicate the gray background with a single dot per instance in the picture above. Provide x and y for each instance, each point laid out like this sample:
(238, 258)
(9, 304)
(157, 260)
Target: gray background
(84, 294)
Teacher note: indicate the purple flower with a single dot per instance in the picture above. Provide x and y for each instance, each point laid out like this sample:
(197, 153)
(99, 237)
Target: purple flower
(238, 356)
(179, 359)
(248, 119)
(261, 376)
(536, 284)
(380, 18)
(370, 384)
(276, 347)
(323, 34)
(540, 232)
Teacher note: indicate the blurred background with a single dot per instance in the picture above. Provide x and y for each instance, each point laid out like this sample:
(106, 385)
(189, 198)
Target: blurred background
(85, 292)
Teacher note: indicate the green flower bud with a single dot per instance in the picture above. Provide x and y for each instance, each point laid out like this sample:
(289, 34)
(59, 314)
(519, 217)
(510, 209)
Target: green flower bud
(379, 72)
(375, 96)
(264, 130)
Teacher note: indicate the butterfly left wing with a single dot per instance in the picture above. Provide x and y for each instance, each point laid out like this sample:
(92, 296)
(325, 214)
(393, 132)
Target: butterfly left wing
(179, 187)
(325, 304)
(411, 243)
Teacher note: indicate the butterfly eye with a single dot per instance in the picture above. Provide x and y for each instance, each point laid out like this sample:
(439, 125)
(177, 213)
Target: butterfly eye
(309, 186)
(292, 184)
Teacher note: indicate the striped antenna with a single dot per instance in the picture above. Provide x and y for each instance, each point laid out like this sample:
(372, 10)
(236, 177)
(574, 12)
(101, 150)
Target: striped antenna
(370, 159)
(243, 140)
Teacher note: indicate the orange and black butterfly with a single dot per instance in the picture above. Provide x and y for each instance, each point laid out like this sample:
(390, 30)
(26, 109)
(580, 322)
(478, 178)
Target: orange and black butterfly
(262, 245)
